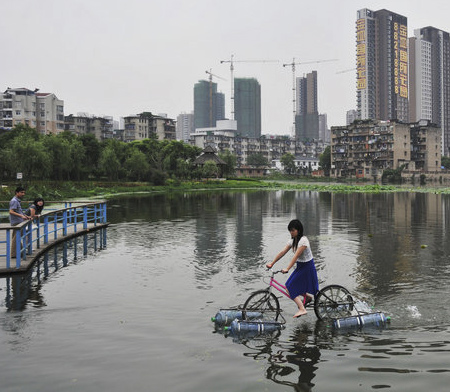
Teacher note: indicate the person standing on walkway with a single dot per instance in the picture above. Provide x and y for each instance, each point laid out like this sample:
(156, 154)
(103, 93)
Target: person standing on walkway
(16, 215)
(303, 284)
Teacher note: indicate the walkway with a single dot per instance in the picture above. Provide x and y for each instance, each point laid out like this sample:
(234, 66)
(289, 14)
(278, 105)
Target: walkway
(53, 227)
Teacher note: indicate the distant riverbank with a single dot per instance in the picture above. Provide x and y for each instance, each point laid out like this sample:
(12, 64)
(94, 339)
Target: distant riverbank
(55, 191)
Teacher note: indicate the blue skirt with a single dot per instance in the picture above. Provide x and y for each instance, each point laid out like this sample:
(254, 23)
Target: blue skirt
(303, 280)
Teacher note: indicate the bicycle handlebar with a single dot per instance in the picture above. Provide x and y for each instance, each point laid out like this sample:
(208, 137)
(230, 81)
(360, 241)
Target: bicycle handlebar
(274, 272)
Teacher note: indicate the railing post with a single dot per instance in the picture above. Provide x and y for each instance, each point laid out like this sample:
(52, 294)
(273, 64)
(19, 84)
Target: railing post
(29, 237)
(45, 229)
(95, 214)
(65, 222)
(38, 234)
(18, 245)
(8, 248)
(75, 219)
(85, 217)
(55, 226)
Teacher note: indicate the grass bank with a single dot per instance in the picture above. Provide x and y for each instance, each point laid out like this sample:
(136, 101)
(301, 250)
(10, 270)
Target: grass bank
(66, 190)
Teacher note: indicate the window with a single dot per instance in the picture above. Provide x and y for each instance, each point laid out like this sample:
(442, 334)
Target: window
(18, 112)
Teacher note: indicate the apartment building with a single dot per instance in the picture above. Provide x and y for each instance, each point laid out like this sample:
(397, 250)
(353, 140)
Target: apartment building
(43, 111)
(144, 125)
(185, 126)
(100, 127)
(366, 148)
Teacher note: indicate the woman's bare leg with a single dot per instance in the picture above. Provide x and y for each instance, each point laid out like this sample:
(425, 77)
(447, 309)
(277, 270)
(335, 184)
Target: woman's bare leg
(301, 308)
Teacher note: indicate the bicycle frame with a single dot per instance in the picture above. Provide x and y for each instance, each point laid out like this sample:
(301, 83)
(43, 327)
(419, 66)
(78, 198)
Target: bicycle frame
(278, 286)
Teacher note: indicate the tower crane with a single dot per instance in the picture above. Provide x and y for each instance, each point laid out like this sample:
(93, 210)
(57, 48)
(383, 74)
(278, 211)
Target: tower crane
(292, 65)
(232, 61)
(211, 94)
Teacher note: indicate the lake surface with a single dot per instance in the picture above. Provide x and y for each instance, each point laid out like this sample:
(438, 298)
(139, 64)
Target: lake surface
(135, 314)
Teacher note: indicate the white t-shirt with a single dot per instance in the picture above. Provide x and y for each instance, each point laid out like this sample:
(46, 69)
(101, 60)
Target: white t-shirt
(306, 254)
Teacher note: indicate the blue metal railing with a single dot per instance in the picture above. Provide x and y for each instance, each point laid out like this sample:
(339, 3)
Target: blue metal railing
(54, 225)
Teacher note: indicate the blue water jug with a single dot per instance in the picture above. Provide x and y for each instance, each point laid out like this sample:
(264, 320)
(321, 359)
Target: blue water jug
(226, 316)
(257, 327)
(354, 322)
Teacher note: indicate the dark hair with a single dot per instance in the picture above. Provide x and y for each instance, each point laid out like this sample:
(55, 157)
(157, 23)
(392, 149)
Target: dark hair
(37, 207)
(19, 189)
(296, 224)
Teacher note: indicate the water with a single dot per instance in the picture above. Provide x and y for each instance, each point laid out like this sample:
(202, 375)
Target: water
(136, 315)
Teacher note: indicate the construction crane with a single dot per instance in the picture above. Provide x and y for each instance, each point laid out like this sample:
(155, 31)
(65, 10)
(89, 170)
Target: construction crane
(211, 95)
(232, 61)
(292, 65)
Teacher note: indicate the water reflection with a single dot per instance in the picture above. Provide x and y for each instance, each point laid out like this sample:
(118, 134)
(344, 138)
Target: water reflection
(23, 290)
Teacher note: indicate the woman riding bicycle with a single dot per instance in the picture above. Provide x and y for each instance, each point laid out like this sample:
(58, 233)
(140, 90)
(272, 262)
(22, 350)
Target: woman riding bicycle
(303, 284)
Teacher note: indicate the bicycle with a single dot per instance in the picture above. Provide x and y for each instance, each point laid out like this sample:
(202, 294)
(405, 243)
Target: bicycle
(331, 302)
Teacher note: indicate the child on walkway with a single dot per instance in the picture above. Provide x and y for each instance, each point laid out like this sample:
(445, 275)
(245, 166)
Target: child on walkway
(303, 284)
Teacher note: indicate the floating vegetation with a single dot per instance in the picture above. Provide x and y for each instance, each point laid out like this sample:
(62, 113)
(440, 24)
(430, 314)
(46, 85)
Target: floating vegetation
(372, 188)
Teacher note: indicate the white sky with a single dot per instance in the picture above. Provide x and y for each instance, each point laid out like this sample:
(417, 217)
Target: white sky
(122, 57)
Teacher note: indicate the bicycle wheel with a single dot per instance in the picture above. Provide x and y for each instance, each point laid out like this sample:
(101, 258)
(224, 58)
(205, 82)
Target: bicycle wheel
(264, 302)
(333, 302)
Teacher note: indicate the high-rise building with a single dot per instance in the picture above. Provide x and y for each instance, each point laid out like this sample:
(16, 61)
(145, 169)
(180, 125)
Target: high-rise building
(247, 106)
(429, 60)
(382, 65)
(351, 116)
(185, 126)
(324, 132)
(307, 115)
(209, 105)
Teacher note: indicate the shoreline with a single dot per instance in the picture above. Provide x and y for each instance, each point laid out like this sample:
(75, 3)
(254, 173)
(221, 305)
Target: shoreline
(95, 190)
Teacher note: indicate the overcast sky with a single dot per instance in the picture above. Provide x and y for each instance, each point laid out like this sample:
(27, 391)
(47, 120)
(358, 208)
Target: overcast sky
(122, 57)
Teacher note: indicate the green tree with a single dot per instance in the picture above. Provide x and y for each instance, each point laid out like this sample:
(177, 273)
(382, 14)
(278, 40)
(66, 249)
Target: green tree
(210, 169)
(109, 164)
(445, 161)
(28, 156)
(137, 166)
(76, 155)
(257, 160)
(230, 160)
(288, 161)
(325, 161)
(92, 150)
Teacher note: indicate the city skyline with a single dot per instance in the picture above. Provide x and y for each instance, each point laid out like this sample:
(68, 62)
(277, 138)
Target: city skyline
(112, 59)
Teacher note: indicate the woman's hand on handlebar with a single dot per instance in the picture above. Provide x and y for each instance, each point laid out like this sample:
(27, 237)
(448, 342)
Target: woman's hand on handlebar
(269, 265)
(284, 271)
